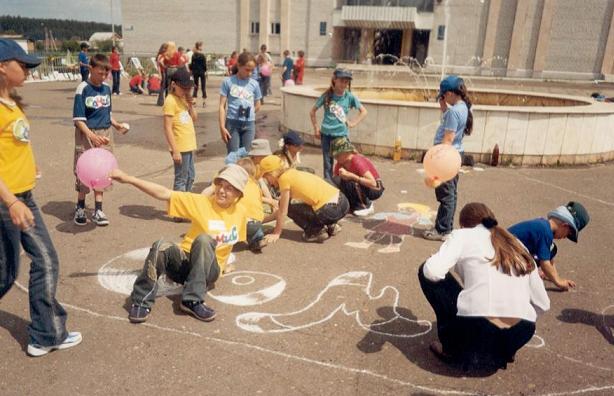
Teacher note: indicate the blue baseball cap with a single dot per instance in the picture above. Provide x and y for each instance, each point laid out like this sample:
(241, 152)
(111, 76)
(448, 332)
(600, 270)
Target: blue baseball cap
(10, 50)
(342, 73)
(450, 83)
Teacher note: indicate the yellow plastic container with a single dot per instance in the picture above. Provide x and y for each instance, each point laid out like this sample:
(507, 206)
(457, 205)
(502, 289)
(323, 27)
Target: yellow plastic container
(397, 149)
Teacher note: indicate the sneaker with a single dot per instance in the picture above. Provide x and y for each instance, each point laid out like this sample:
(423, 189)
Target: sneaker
(100, 219)
(333, 229)
(320, 237)
(258, 246)
(80, 218)
(366, 211)
(434, 235)
(199, 310)
(74, 338)
(138, 314)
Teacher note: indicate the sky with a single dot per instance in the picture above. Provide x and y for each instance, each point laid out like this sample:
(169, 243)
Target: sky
(81, 10)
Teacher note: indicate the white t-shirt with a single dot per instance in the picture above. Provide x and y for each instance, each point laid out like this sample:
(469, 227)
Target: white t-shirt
(487, 291)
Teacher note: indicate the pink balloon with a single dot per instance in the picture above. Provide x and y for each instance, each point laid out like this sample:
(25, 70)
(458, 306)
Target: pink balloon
(265, 70)
(94, 166)
(289, 83)
(442, 162)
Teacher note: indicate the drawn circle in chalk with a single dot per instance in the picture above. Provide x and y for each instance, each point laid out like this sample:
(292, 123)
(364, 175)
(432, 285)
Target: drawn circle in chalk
(536, 342)
(243, 288)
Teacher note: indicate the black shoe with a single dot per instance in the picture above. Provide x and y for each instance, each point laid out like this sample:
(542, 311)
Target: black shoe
(80, 218)
(138, 314)
(199, 310)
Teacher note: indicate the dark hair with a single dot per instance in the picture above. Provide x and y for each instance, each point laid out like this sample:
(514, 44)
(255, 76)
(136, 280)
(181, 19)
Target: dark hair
(163, 48)
(301, 53)
(286, 53)
(100, 60)
(328, 94)
(263, 47)
(84, 46)
(180, 49)
(509, 252)
(243, 60)
(198, 45)
(114, 48)
(462, 92)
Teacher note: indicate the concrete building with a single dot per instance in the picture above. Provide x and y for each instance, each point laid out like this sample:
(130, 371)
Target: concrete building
(517, 38)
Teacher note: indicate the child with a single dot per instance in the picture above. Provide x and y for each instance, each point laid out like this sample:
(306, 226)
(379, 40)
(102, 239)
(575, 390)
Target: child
(84, 62)
(356, 177)
(21, 222)
(456, 122)
(116, 69)
(299, 68)
(154, 84)
(198, 67)
(259, 150)
(93, 121)
(337, 101)
(239, 102)
(537, 235)
(217, 223)
(485, 321)
(321, 206)
(179, 117)
(288, 67)
(291, 145)
(137, 83)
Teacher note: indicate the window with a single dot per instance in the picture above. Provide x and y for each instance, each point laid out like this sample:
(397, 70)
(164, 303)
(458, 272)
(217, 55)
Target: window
(441, 32)
(255, 29)
(275, 28)
(322, 28)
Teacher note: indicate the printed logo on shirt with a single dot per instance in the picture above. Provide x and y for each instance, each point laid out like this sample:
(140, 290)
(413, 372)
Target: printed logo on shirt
(217, 225)
(337, 111)
(98, 101)
(21, 130)
(184, 117)
(228, 238)
(242, 93)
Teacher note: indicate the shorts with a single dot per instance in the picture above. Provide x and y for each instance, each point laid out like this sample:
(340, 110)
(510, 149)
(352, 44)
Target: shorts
(82, 143)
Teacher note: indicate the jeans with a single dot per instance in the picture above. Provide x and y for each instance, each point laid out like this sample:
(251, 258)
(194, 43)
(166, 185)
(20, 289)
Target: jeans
(197, 270)
(199, 77)
(328, 159)
(265, 85)
(446, 195)
(359, 196)
(312, 221)
(116, 79)
(471, 340)
(185, 173)
(254, 233)
(241, 134)
(85, 73)
(48, 325)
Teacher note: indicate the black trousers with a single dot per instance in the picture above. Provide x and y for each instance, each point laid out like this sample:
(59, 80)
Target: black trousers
(359, 196)
(312, 221)
(473, 341)
(200, 77)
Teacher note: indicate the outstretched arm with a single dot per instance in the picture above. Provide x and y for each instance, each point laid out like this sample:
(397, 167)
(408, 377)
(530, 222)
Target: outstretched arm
(155, 190)
(553, 275)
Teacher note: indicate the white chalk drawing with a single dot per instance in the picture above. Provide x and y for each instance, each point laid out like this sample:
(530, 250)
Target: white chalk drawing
(252, 287)
(536, 342)
(346, 293)
(390, 228)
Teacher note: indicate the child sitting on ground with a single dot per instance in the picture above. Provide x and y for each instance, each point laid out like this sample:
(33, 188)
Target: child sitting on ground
(137, 83)
(153, 84)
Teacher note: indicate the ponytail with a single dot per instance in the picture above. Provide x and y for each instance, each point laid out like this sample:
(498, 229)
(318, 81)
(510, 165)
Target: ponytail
(462, 92)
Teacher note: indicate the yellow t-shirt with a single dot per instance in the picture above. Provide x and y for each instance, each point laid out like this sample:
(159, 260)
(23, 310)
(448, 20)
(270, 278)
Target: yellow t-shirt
(226, 226)
(183, 126)
(307, 187)
(252, 200)
(17, 168)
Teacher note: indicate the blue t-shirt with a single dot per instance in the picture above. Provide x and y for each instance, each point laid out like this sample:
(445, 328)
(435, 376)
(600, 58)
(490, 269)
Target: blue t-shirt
(83, 59)
(455, 119)
(335, 115)
(536, 235)
(93, 105)
(240, 93)
(288, 64)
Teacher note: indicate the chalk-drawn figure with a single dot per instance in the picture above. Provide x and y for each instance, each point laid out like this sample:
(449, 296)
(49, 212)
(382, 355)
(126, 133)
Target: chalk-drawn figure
(390, 228)
(351, 294)
(245, 288)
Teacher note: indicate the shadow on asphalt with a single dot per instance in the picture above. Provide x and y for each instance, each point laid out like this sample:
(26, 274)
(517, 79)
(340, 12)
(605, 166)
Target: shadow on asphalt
(603, 323)
(16, 327)
(143, 212)
(64, 211)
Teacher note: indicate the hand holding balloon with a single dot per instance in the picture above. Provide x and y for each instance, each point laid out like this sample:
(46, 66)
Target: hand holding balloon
(94, 166)
(441, 163)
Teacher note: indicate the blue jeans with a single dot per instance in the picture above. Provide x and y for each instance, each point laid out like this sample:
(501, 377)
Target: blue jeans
(116, 79)
(327, 157)
(254, 233)
(48, 325)
(241, 134)
(446, 195)
(185, 173)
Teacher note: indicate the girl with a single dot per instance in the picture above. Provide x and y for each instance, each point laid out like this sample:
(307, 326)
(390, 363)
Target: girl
(337, 101)
(21, 222)
(291, 145)
(115, 69)
(239, 102)
(456, 122)
(232, 61)
(265, 81)
(485, 321)
(299, 68)
(161, 63)
(321, 206)
(198, 66)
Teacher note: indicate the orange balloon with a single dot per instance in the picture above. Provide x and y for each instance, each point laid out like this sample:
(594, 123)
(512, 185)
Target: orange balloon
(442, 162)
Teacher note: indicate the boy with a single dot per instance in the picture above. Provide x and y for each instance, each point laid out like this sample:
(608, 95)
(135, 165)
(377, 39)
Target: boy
(537, 236)
(93, 121)
(218, 222)
(288, 67)
(83, 62)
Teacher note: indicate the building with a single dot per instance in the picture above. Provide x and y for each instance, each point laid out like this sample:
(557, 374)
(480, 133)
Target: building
(567, 39)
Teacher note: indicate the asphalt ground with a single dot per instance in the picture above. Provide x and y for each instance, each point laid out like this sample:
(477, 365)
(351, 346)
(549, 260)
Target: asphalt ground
(343, 317)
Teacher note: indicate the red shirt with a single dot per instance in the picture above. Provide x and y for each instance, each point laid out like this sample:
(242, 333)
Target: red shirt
(177, 60)
(153, 83)
(115, 65)
(136, 81)
(299, 68)
(231, 63)
(359, 165)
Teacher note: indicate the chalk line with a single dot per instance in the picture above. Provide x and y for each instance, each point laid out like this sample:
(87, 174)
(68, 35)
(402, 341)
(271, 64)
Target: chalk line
(601, 201)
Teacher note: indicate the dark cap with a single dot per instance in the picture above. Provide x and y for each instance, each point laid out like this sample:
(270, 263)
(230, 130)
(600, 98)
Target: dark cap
(341, 145)
(573, 214)
(342, 73)
(292, 138)
(10, 50)
(182, 78)
(450, 83)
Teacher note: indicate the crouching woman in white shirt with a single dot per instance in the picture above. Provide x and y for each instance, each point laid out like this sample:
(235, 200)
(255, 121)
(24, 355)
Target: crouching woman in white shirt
(482, 323)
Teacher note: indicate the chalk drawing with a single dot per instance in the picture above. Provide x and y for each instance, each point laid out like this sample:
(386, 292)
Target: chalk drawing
(390, 228)
(350, 293)
(249, 287)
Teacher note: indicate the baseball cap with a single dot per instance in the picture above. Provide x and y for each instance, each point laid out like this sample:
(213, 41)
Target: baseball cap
(270, 163)
(235, 175)
(10, 50)
(341, 145)
(260, 147)
(342, 73)
(450, 83)
(573, 214)
(292, 138)
(182, 78)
